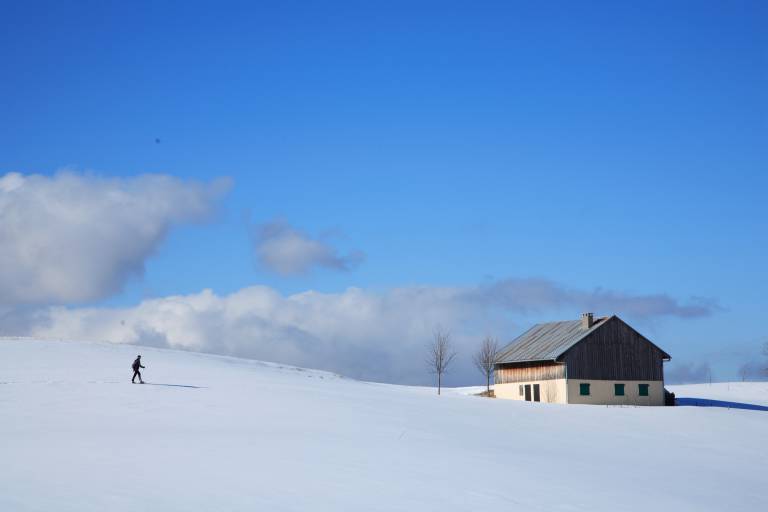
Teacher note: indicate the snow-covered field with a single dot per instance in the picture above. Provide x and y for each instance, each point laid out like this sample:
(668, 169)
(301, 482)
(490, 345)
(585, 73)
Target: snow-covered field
(222, 434)
(724, 394)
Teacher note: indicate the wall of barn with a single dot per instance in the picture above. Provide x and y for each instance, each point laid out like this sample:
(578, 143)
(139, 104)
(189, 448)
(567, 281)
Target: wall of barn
(614, 352)
(528, 372)
(551, 391)
(603, 392)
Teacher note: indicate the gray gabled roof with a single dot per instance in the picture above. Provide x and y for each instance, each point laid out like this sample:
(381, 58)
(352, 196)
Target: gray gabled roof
(546, 342)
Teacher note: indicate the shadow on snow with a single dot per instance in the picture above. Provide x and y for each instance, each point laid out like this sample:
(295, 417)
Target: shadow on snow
(173, 385)
(705, 402)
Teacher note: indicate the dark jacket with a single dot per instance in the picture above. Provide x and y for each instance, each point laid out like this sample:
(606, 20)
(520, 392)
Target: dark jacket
(137, 364)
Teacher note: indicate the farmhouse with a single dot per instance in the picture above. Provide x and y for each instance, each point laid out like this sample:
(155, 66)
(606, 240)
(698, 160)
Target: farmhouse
(587, 361)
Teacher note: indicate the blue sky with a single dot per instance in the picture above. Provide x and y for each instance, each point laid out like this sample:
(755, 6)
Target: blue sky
(594, 145)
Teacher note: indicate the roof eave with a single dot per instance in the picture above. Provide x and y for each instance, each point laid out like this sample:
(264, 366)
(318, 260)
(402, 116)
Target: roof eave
(550, 360)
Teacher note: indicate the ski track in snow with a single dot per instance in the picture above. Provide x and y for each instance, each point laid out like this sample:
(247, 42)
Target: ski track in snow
(210, 433)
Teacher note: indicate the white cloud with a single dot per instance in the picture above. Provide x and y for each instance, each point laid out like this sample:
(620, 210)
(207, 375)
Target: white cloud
(74, 237)
(283, 249)
(354, 332)
(364, 334)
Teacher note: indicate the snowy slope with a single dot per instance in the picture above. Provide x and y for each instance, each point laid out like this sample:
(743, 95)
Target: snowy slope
(78, 436)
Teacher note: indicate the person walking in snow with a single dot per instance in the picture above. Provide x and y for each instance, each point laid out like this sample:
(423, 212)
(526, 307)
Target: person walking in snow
(136, 365)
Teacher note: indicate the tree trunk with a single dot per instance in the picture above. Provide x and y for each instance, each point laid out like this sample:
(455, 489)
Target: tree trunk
(438, 383)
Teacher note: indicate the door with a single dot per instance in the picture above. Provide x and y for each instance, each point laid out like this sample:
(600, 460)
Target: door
(536, 394)
(527, 392)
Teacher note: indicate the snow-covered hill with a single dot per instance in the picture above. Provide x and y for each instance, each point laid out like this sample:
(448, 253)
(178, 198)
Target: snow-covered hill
(214, 433)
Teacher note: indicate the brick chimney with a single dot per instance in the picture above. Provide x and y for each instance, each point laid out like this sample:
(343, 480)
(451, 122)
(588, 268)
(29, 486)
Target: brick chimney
(587, 320)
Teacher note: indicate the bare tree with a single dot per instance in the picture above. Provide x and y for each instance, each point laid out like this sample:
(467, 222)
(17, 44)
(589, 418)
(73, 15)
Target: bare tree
(440, 355)
(485, 360)
(744, 372)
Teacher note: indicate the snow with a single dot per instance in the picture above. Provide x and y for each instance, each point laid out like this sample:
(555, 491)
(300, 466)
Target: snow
(78, 436)
(736, 393)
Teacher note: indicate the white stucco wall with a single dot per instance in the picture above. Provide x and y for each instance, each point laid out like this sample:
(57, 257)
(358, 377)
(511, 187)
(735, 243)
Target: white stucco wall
(552, 391)
(602, 392)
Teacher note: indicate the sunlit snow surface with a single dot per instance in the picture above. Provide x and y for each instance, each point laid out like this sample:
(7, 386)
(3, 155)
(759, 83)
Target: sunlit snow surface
(221, 434)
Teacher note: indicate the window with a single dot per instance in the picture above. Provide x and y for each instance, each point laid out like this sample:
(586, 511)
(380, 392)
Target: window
(642, 389)
(618, 389)
(521, 390)
(584, 389)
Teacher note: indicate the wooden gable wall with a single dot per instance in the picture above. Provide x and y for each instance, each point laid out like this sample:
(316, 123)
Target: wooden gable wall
(614, 352)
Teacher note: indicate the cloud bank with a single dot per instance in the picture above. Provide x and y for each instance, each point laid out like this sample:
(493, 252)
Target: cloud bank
(73, 237)
(362, 334)
(282, 249)
(542, 294)
(688, 373)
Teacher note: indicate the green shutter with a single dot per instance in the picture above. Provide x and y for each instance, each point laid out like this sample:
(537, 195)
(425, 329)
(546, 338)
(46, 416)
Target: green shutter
(584, 389)
(618, 389)
(643, 389)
